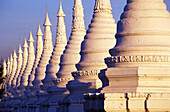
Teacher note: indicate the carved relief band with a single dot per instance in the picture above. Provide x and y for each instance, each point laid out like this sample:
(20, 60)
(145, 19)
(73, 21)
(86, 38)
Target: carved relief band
(85, 73)
(147, 58)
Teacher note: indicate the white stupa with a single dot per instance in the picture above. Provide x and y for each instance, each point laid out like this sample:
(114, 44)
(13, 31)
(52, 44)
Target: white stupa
(7, 73)
(4, 69)
(39, 49)
(9, 89)
(8, 66)
(138, 72)
(60, 44)
(11, 64)
(19, 65)
(46, 54)
(4, 74)
(53, 66)
(44, 60)
(99, 39)
(70, 57)
(14, 68)
(17, 96)
(29, 66)
(24, 62)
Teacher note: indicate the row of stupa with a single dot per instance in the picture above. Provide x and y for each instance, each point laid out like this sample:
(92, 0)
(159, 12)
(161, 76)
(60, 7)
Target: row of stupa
(81, 76)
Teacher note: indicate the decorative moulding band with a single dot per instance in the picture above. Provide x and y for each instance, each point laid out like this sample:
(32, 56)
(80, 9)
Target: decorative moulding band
(147, 58)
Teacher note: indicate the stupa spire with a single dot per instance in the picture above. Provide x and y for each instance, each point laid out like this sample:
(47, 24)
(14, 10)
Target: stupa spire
(60, 12)
(11, 62)
(25, 44)
(8, 66)
(39, 32)
(15, 55)
(47, 20)
(31, 40)
(20, 50)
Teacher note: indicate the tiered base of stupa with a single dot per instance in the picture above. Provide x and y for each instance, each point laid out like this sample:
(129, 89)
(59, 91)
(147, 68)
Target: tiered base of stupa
(134, 89)
(127, 102)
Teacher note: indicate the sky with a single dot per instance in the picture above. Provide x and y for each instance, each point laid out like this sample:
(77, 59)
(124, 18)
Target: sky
(17, 16)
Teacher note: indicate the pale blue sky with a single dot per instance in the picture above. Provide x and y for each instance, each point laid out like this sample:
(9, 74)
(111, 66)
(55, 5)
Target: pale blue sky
(16, 16)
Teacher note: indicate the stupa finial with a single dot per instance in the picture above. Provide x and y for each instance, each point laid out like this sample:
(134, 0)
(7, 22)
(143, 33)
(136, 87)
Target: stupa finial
(39, 32)
(19, 50)
(11, 58)
(47, 20)
(25, 43)
(15, 55)
(31, 37)
(60, 12)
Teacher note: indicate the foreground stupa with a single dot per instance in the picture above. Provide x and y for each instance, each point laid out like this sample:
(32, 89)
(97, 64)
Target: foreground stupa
(137, 77)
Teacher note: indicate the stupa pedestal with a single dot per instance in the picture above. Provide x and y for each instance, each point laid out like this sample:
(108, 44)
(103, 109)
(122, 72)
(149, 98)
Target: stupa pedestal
(139, 66)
